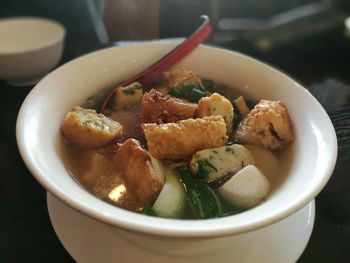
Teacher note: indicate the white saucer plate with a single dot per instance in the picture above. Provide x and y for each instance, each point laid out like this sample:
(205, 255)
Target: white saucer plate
(88, 240)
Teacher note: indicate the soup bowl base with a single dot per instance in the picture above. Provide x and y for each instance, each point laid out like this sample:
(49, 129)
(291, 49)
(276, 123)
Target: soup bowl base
(88, 240)
(25, 82)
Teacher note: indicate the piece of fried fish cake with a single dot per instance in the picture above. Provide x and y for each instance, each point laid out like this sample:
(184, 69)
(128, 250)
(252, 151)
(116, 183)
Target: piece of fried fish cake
(176, 141)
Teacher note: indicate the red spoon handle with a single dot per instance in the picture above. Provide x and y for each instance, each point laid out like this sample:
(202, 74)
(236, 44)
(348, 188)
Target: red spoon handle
(153, 72)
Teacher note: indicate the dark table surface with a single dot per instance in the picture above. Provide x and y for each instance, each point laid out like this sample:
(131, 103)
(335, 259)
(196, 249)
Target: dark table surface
(26, 234)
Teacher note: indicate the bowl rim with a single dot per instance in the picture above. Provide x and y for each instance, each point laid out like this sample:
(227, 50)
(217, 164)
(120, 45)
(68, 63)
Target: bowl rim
(44, 44)
(155, 226)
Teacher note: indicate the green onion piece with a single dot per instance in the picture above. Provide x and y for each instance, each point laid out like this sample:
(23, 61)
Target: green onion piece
(187, 88)
(208, 84)
(196, 95)
(229, 143)
(176, 92)
(148, 210)
(205, 168)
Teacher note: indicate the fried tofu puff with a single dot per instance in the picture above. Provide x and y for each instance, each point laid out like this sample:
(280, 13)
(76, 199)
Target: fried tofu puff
(180, 140)
(177, 77)
(142, 174)
(88, 129)
(158, 108)
(268, 125)
(216, 105)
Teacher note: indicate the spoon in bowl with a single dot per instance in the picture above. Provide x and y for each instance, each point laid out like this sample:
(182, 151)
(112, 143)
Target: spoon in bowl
(153, 72)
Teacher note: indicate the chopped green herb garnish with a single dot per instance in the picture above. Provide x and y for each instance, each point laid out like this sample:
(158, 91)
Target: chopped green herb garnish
(205, 168)
(176, 92)
(229, 143)
(229, 149)
(99, 124)
(215, 151)
(129, 91)
(242, 164)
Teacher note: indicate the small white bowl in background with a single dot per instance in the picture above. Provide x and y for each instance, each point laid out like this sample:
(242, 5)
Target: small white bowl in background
(314, 150)
(30, 47)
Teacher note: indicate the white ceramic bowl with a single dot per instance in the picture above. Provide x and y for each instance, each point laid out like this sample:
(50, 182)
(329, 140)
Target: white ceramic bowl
(29, 48)
(38, 134)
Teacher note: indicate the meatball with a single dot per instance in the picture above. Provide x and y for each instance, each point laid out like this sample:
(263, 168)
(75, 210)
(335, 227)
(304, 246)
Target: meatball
(128, 96)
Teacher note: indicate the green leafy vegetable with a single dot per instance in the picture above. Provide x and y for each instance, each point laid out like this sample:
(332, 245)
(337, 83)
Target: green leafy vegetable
(203, 201)
(184, 171)
(148, 210)
(228, 149)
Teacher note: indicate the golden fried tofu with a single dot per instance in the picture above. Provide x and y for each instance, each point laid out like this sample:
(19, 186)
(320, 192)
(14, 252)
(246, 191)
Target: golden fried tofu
(88, 129)
(158, 108)
(141, 173)
(128, 96)
(268, 125)
(177, 77)
(180, 140)
(216, 105)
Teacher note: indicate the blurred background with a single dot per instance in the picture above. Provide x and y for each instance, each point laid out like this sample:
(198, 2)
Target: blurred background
(307, 39)
(283, 33)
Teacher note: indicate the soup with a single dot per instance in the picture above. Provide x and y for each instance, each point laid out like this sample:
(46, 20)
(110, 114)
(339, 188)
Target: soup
(180, 149)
